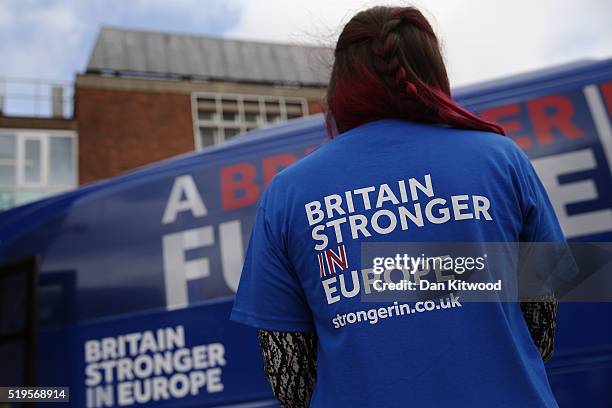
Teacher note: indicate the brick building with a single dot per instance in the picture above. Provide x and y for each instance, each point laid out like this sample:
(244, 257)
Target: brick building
(38, 140)
(146, 96)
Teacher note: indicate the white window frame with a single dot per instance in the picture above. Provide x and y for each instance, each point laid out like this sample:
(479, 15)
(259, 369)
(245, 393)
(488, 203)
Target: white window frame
(43, 135)
(219, 124)
(43, 178)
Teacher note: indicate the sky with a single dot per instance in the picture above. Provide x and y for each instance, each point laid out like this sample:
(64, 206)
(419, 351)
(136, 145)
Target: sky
(481, 39)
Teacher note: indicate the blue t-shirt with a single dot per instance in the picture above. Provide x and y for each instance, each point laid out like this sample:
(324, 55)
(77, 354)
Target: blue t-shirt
(304, 253)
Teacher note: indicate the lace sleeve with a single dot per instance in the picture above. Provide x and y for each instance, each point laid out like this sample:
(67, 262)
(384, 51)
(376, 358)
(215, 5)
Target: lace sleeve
(290, 365)
(541, 318)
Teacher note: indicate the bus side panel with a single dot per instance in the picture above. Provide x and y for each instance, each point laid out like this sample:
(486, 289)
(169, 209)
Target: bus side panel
(566, 132)
(189, 357)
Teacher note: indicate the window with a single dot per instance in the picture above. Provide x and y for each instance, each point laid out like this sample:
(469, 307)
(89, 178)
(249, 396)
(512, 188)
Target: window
(18, 320)
(206, 115)
(220, 117)
(35, 164)
(230, 133)
(251, 117)
(208, 135)
(7, 159)
(33, 160)
(61, 161)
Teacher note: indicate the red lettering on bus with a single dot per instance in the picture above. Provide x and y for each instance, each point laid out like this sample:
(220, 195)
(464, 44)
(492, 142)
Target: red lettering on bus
(235, 179)
(503, 115)
(273, 164)
(606, 90)
(552, 112)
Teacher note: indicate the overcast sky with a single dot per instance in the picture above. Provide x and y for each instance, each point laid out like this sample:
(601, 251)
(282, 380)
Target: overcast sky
(482, 39)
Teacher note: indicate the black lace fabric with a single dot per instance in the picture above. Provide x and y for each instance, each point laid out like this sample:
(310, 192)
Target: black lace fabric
(541, 318)
(290, 360)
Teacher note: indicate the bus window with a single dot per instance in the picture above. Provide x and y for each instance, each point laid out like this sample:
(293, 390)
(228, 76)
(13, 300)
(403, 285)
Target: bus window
(18, 322)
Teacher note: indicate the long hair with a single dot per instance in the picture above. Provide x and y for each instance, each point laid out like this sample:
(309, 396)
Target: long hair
(388, 65)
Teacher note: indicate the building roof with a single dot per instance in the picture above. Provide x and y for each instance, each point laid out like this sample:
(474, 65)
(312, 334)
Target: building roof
(156, 54)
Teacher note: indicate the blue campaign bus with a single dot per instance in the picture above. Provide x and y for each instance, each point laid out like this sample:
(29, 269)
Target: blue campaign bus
(121, 289)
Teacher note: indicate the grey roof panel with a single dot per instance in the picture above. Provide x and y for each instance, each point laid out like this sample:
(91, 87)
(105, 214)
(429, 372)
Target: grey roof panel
(253, 65)
(271, 70)
(194, 58)
(176, 55)
(112, 51)
(120, 50)
(235, 68)
(137, 58)
(302, 58)
(215, 60)
(154, 53)
(283, 61)
(97, 55)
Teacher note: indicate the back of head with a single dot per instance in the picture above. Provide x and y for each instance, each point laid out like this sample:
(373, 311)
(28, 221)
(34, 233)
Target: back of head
(388, 65)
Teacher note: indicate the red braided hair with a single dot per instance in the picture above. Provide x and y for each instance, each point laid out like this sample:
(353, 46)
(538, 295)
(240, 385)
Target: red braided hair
(388, 65)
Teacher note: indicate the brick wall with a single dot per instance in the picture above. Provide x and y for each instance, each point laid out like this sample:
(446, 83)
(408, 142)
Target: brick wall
(120, 130)
(315, 107)
(127, 123)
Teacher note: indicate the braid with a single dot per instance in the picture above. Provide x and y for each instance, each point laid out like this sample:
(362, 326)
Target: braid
(387, 52)
(385, 48)
(388, 65)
